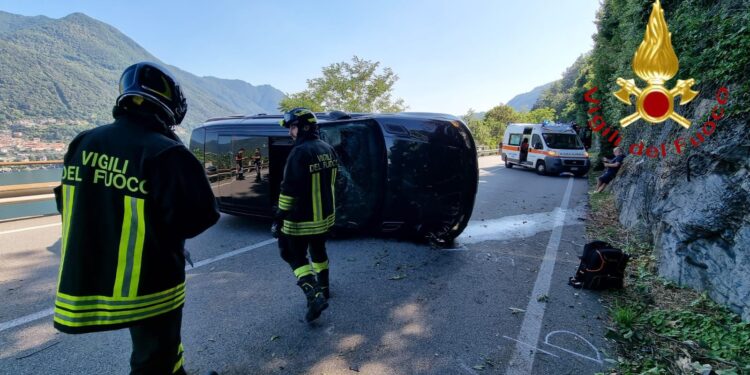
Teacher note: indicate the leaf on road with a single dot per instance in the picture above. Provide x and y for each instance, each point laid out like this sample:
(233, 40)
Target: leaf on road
(516, 311)
(478, 367)
(397, 277)
(274, 337)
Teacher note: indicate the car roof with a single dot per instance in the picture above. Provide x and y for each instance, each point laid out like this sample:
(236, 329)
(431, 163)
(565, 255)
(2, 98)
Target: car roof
(550, 128)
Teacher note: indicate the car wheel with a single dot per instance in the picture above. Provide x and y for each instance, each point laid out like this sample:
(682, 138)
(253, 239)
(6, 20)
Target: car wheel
(508, 164)
(541, 169)
(580, 174)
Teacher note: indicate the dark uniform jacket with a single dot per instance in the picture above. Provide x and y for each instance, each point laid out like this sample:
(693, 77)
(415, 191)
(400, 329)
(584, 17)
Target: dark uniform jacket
(131, 194)
(307, 202)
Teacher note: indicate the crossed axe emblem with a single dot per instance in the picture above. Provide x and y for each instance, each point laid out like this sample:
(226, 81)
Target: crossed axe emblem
(651, 100)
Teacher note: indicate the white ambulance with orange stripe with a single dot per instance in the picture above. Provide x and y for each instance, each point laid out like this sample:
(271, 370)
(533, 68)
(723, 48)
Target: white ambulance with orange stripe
(548, 148)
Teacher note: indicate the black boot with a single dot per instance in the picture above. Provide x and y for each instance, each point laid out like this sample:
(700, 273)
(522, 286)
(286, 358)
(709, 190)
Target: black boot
(323, 283)
(316, 303)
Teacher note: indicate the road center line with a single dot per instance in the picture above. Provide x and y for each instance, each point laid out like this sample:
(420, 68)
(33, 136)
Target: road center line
(45, 313)
(30, 228)
(522, 360)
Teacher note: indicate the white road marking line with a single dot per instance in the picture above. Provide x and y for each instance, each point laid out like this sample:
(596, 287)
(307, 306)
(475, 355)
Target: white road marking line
(522, 361)
(26, 319)
(30, 228)
(45, 313)
(230, 254)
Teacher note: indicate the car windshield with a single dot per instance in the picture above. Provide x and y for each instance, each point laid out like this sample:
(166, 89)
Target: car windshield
(562, 141)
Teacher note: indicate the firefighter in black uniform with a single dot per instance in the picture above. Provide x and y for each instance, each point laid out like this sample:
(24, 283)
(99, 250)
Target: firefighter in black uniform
(306, 209)
(131, 194)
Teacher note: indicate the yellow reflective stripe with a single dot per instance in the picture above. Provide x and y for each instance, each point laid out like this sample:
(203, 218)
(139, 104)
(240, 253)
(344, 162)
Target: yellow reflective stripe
(333, 188)
(303, 271)
(317, 267)
(70, 319)
(286, 202)
(122, 258)
(105, 299)
(181, 361)
(138, 253)
(118, 314)
(130, 251)
(97, 302)
(309, 224)
(286, 197)
(68, 194)
(316, 201)
(305, 232)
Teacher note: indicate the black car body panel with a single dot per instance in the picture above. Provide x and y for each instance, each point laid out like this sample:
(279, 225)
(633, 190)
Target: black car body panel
(412, 174)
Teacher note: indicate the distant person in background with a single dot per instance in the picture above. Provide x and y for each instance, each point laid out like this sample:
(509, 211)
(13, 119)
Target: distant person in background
(238, 158)
(524, 150)
(130, 197)
(257, 161)
(613, 165)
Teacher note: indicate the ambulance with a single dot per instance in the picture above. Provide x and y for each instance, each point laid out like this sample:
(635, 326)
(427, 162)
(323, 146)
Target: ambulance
(549, 148)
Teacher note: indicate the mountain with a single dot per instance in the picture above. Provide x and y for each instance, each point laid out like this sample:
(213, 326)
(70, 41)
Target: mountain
(524, 102)
(65, 71)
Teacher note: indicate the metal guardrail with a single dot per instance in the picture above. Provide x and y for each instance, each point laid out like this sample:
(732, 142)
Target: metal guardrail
(488, 152)
(25, 193)
(20, 163)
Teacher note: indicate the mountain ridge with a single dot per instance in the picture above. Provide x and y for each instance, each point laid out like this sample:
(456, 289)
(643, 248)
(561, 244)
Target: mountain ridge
(525, 102)
(67, 69)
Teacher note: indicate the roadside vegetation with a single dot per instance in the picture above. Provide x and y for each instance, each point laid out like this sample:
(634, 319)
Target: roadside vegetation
(659, 327)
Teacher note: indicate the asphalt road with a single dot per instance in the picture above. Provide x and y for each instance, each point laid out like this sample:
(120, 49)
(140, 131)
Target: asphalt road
(497, 303)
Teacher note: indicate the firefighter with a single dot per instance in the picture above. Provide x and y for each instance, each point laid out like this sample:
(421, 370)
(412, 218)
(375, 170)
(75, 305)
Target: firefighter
(131, 194)
(306, 209)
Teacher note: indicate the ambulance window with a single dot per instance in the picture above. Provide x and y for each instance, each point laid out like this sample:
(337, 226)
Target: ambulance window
(536, 142)
(515, 139)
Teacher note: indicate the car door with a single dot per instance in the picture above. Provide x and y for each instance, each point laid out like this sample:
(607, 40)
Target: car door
(536, 149)
(513, 149)
(360, 180)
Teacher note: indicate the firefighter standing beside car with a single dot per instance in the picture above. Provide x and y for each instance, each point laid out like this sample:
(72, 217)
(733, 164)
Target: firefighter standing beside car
(306, 209)
(131, 194)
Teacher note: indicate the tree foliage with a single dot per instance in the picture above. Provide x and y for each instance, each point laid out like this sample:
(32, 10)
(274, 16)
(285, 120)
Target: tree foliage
(350, 87)
(489, 130)
(560, 95)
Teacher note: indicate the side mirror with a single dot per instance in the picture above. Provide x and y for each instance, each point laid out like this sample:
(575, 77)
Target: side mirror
(538, 146)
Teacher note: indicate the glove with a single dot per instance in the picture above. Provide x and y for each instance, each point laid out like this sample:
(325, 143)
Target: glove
(276, 229)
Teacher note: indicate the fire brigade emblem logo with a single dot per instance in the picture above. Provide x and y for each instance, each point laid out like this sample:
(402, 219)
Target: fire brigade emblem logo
(655, 62)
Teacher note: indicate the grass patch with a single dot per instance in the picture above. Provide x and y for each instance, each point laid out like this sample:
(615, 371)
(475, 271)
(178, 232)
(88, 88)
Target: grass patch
(659, 327)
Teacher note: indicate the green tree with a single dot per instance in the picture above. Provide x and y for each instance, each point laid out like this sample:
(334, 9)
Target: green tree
(350, 87)
(538, 115)
(503, 114)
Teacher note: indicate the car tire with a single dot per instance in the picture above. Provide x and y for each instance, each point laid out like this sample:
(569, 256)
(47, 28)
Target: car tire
(541, 168)
(508, 165)
(580, 174)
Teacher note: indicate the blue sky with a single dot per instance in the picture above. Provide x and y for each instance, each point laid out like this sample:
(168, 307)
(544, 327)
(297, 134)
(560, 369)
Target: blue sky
(450, 55)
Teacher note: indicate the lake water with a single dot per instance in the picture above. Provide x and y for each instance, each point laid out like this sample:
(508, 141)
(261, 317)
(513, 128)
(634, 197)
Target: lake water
(16, 210)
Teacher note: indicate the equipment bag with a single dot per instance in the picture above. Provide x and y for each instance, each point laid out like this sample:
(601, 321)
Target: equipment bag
(602, 267)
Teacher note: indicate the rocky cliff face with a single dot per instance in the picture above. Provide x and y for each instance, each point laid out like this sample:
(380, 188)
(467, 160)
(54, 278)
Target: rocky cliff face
(700, 227)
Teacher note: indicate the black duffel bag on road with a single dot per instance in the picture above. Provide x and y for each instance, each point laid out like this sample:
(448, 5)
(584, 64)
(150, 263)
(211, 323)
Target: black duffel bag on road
(602, 267)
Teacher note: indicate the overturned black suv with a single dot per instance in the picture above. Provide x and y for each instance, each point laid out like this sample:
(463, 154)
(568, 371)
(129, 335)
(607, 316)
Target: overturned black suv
(409, 174)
